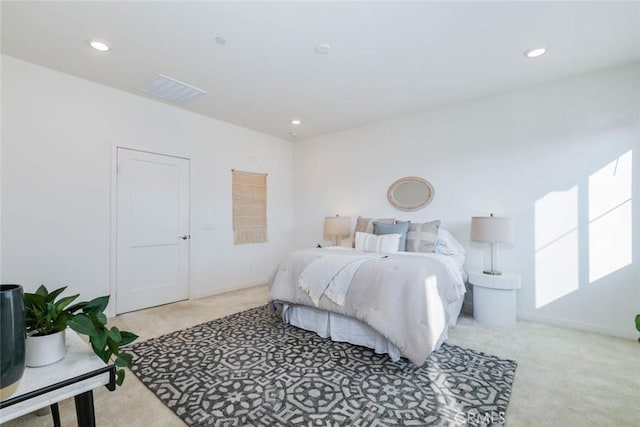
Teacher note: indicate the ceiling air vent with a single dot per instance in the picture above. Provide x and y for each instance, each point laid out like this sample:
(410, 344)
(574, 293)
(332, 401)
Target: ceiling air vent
(172, 90)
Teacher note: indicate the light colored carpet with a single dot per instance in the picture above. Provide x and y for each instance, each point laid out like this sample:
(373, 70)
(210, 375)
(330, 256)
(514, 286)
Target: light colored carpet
(564, 377)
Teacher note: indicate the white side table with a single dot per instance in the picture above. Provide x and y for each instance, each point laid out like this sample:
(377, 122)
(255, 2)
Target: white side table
(494, 298)
(76, 375)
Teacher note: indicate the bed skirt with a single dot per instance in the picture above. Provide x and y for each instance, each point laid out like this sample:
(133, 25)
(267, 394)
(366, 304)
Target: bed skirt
(346, 329)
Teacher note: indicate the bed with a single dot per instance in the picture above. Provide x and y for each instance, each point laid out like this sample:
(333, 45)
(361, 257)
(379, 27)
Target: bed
(401, 304)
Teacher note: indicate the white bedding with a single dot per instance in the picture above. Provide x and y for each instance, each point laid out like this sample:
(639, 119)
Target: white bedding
(406, 298)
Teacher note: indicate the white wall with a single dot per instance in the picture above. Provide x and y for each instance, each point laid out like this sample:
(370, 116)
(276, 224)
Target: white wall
(502, 154)
(58, 142)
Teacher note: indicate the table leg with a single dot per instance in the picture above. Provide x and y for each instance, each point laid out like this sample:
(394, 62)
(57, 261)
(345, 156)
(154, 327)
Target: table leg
(55, 414)
(84, 409)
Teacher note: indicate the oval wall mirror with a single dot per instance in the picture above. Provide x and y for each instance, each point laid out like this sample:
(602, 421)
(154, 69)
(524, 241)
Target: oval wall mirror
(410, 193)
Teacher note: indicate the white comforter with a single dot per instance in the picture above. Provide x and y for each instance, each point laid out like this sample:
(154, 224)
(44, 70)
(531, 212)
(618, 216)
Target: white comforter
(404, 298)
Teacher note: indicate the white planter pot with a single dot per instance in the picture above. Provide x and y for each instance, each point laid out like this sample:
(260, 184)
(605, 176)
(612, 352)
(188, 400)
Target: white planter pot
(45, 350)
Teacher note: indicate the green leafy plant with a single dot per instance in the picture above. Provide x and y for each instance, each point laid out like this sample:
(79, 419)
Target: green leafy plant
(638, 324)
(44, 315)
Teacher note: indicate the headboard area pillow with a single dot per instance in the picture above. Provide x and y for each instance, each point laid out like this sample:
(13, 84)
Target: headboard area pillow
(447, 244)
(365, 225)
(380, 228)
(422, 236)
(387, 243)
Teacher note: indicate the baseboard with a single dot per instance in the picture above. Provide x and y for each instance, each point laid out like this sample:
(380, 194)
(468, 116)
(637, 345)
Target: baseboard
(110, 312)
(231, 288)
(578, 325)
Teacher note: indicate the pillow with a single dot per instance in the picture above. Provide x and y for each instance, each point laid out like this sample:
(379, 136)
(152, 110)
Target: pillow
(380, 228)
(422, 236)
(365, 225)
(387, 243)
(447, 244)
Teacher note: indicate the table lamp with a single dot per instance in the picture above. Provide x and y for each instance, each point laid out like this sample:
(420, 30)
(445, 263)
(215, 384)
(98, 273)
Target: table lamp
(493, 230)
(336, 226)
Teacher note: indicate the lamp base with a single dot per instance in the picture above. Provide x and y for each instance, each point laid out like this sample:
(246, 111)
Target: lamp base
(493, 272)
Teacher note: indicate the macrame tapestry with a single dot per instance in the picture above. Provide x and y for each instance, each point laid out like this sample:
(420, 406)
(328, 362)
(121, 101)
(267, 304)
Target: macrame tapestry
(249, 207)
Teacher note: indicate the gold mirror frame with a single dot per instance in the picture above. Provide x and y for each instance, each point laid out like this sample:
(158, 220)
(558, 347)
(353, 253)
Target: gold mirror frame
(412, 205)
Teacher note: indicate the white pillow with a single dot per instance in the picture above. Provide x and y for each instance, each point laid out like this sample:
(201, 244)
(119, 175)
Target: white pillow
(446, 244)
(385, 243)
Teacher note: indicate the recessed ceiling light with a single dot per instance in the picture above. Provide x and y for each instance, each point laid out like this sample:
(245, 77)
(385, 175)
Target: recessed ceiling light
(98, 45)
(221, 40)
(295, 122)
(322, 48)
(535, 52)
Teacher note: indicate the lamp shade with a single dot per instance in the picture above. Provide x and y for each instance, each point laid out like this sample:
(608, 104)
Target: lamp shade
(336, 225)
(491, 229)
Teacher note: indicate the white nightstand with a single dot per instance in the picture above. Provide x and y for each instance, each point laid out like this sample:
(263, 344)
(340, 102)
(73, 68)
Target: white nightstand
(494, 298)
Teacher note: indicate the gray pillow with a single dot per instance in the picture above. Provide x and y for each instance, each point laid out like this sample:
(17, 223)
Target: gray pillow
(422, 237)
(401, 228)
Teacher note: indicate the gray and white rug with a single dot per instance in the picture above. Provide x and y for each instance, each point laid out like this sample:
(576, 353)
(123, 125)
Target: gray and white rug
(252, 369)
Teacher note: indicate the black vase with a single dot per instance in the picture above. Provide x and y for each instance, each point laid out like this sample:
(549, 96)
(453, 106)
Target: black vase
(12, 338)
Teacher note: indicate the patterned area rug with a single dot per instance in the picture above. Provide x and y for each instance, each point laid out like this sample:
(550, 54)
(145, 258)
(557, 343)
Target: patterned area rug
(252, 369)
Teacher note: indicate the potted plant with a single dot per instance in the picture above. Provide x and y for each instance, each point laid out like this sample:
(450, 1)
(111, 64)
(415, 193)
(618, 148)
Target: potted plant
(47, 317)
(638, 324)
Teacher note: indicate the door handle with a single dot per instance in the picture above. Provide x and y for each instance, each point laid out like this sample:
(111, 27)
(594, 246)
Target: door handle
(185, 237)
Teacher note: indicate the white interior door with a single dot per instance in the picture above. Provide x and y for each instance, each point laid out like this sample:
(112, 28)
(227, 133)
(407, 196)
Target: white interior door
(152, 230)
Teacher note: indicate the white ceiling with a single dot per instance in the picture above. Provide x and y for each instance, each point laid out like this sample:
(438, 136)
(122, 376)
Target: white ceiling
(387, 59)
